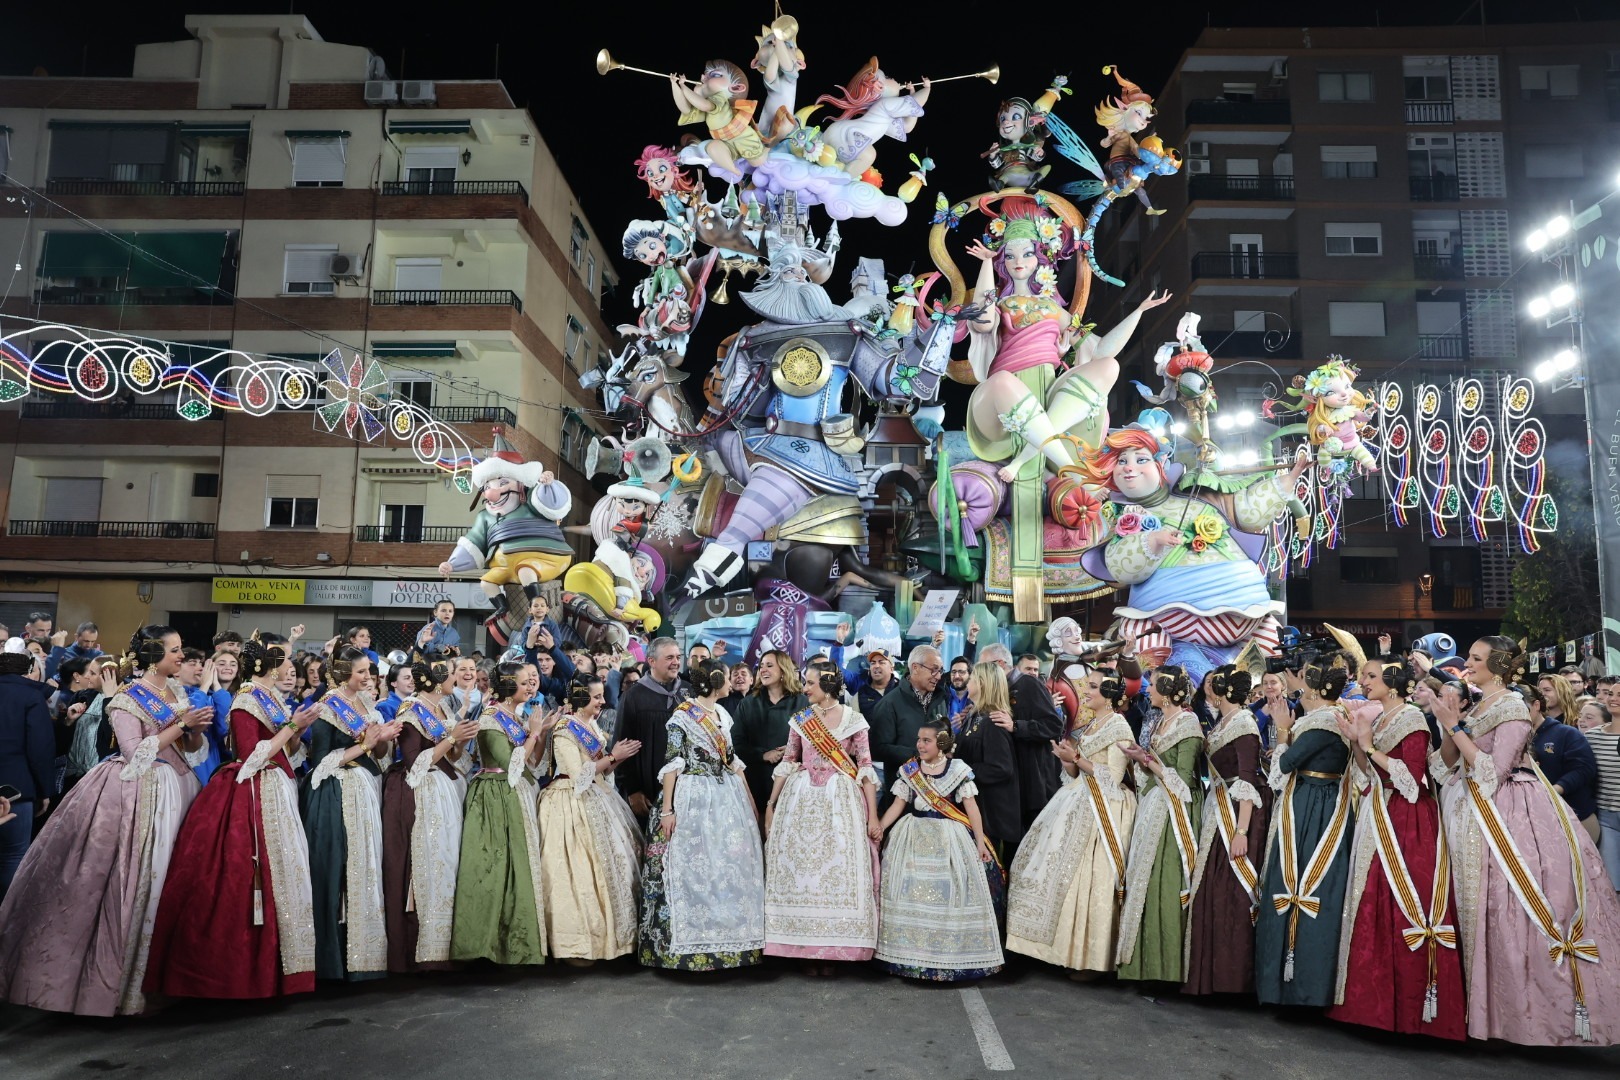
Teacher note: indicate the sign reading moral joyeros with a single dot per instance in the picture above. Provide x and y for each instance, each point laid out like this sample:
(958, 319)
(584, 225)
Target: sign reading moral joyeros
(347, 592)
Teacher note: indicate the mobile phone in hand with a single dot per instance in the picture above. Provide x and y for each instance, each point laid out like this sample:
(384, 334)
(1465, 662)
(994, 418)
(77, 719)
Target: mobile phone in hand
(9, 793)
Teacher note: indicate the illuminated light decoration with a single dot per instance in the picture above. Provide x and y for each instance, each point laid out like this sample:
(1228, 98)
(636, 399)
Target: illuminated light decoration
(93, 367)
(352, 393)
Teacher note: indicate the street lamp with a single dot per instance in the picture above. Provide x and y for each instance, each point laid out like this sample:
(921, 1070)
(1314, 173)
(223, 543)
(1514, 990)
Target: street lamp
(1560, 363)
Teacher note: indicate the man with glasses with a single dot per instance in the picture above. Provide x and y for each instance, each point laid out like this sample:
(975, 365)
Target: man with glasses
(1035, 725)
(897, 717)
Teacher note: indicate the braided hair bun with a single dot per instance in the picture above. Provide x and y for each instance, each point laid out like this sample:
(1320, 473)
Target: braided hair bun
(1173, 684)
(1398, 676)
(1328, 674)
(831, 683)
(259, 658)
(1232, 684)
(504, 683)
(1507, 658)
(430, 671)
(342, 667)
(1112, 688)
(709, 677)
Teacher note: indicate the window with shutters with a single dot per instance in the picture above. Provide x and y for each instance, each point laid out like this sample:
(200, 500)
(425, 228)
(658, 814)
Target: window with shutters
(1549, 80)
(308, 270)
(577, 239)
(205, 485)
(71, 498)
(133, 152)
(1554, 161)
(1427, 78)
(1344, 86)
(1355, 318)
(419, 275)
(1349, 162)
(430, 170)
(574, 342)
(292, 502)
(319, 162)
(1354, 237)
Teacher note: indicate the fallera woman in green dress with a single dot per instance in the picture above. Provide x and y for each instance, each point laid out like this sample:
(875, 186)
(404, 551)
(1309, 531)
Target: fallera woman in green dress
(498, 914)
(1164, 842)
(350, 744)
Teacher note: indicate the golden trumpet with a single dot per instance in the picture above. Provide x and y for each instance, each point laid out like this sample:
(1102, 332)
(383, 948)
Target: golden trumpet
(991, 74)
(785, 27)
(605, 63)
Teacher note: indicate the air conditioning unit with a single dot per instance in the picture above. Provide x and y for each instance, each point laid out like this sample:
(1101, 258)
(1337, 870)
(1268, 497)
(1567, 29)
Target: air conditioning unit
(381, 92)
(1197, 166)
(1279, 70)
(1198, 148)
(417, 93)
(344, 266)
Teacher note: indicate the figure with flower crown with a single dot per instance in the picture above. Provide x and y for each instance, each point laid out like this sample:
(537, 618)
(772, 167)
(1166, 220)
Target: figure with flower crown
(1334, 413)
(1188, 554)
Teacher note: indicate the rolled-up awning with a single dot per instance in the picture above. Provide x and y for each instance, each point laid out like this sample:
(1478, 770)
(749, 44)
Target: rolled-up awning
(385, 349)
(430, 127)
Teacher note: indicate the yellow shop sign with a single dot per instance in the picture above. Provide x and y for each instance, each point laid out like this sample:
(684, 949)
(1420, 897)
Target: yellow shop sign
(242, 590)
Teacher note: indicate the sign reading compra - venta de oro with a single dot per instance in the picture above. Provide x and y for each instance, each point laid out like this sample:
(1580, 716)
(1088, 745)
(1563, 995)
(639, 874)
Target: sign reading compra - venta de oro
(347, 592)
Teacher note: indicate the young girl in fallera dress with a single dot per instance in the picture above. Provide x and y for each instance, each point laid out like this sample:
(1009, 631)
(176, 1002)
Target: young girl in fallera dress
(937, 918)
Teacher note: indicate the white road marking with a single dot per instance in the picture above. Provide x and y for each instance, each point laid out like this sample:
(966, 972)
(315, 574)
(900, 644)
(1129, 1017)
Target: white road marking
(994, 1051)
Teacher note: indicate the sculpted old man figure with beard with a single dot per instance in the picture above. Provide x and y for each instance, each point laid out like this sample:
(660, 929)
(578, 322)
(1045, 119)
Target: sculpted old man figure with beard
(515, 536)
(789, 435)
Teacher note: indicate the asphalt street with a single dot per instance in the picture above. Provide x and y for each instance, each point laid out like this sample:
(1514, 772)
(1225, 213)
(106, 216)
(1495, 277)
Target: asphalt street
(621, 1021)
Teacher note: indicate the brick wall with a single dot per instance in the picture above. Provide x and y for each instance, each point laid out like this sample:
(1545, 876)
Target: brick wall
(152, 207)
(447, 207)
(309, 204)
(450, 95)
(284, 547)
(49, 93)
(108, 549)
(175, 432)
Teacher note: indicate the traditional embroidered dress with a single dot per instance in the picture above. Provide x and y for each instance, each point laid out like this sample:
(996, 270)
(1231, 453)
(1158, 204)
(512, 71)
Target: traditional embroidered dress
(500, 890)
(1068, 878)
(76, 926)
(590, 848)
(1220, 919)
(821, 875)
(1399, 968)
(342, 807)
(938, 917)
(1296, 941)
(1540, 928)
(703, 889)
(1163, 855)
(236, 919)
(421, 807)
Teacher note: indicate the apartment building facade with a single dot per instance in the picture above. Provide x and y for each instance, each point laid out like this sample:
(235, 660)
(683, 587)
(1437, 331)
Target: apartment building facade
(296, 199)
(1366, 193)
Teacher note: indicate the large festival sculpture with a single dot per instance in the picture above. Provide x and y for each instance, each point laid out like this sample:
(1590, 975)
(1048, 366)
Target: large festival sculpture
(740, 511)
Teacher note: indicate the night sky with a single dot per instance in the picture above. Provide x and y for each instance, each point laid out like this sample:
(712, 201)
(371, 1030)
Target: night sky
(597, 125)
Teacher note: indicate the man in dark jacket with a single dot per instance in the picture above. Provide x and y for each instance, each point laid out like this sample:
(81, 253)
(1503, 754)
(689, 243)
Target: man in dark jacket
(898, 715)
(1565, 755)
(1035, 725)
(27, 752)
(644, 710)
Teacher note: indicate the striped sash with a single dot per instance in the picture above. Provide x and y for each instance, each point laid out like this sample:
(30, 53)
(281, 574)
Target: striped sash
(1574, 946)
(1243, 869)
(1300, 894)
(1186, 844)
(1422, 929)
(1110, 833)
(815, 732)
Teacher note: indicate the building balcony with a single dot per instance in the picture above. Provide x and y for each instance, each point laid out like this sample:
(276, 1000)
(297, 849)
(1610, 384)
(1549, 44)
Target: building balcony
(474, 414)
(1442, 346)
(1245, 265)
(1437, 267)
(1437, 188)
(117, 530)
(1209, 186)
(456, 187)
(408, 534)
(1255, 343)
(447, 298)
(1224, 111)
(105, 410)
(1430, 112)
(159, 188)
